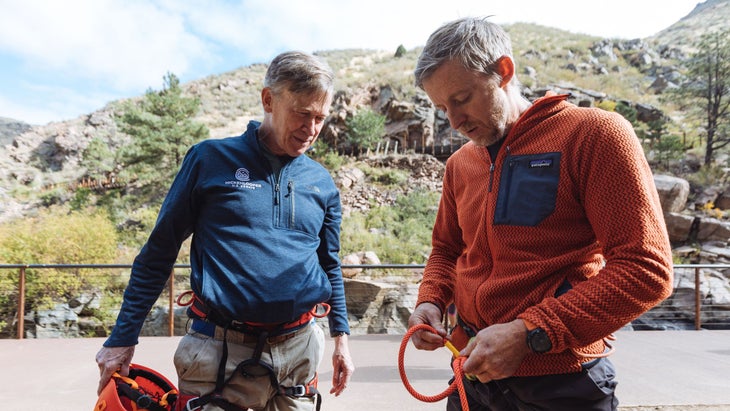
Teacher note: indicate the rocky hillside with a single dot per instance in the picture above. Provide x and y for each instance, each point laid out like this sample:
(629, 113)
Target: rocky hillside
(9, 129)
(593, 70)
(706, 16)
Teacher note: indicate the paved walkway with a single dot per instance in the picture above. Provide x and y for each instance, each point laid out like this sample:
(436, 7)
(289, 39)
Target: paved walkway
(657, 370)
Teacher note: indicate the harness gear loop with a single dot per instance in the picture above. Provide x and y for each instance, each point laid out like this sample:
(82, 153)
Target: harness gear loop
(179, 299)
(316, 313)
(457, 364)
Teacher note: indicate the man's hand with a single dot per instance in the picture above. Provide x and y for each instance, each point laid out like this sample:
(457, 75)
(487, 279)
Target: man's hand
(497, 351)
(111, 360)
(342, 366)
(427, 313)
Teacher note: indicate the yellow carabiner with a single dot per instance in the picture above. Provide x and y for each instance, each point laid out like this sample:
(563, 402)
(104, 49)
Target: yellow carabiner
(456, 353)
(451, 348)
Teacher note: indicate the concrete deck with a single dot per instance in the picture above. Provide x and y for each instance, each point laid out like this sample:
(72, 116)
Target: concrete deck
(657, 370)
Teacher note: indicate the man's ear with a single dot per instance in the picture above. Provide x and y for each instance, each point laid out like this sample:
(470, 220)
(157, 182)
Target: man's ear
(506, 69)
(266, 99)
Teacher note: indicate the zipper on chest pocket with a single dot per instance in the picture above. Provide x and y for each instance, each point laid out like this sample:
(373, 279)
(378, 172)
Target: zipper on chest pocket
(292, 207)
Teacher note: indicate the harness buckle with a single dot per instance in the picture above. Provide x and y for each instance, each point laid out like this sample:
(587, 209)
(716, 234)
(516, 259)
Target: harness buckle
(298, 390)
(191, 404)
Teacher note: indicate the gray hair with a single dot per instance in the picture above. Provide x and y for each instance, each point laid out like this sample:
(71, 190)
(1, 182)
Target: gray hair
(299, 72)
(473, 41)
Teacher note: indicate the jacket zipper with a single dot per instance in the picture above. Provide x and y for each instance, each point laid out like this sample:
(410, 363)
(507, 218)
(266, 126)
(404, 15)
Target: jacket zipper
(290, 187)
(506, 182)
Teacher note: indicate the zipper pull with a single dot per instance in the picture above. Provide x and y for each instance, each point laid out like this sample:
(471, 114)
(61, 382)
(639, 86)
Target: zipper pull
(276, 194)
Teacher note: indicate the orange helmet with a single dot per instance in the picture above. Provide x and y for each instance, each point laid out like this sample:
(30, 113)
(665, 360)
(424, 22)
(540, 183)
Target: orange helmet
(143, 389)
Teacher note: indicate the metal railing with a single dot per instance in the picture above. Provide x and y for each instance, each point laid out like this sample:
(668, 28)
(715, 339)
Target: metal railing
(658, 312)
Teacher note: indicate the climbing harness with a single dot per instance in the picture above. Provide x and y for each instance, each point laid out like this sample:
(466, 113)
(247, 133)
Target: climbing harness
(205, 320)
(457, 384)
(143, 389)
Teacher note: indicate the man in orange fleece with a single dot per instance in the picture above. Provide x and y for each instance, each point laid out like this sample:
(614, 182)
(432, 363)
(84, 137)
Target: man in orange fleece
(549, 235)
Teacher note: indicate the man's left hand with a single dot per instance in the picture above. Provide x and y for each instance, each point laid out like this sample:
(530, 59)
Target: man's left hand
(497, 351)
(342, 366)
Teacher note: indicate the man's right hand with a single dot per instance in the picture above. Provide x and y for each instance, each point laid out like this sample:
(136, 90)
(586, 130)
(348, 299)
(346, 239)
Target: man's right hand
(428, 313)
(111, 360)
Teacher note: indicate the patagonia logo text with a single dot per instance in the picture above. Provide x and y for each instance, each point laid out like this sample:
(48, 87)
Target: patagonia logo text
(541, 163)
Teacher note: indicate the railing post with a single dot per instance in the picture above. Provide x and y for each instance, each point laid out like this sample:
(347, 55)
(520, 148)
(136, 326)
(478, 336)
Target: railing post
(171, 317)
(698, 301)
(21, 303)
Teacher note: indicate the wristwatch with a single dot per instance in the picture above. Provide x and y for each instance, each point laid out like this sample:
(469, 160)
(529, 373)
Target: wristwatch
(538, 341)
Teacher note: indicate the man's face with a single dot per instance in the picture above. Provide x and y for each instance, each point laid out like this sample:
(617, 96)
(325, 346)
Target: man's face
(473, 102)
(293, 121)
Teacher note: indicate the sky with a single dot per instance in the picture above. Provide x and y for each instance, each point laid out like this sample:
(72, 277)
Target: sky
(63, 59)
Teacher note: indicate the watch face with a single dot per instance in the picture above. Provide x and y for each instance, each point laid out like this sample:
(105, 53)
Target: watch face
(539, 341)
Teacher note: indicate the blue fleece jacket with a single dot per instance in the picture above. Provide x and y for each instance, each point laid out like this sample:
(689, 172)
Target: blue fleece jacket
(263, 250)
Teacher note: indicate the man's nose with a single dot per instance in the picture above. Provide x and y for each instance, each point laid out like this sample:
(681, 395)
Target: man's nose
(310, 126)
(456, 119)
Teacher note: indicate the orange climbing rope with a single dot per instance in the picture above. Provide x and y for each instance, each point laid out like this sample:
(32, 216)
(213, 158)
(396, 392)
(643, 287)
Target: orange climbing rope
(458, 383)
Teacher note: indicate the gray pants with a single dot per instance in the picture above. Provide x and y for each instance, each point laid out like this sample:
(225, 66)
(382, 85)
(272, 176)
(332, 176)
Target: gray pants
(592, 389)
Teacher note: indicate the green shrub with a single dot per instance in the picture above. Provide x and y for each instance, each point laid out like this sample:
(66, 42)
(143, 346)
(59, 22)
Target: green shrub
(55, 236)
(399, 234)
(391, 177)
(329, 158)
(628, 112)
(669, 148)
(80, 199)
(607, 105)
(384, 176)
(365, 129)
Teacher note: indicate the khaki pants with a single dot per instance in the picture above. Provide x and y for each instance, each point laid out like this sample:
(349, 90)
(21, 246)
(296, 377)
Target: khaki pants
(294, 361)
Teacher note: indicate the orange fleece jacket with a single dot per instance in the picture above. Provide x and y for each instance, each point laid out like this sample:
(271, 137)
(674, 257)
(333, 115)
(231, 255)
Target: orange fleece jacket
(588, 213)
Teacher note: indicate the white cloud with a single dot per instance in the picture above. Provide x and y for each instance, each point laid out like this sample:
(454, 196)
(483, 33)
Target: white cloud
(46, 104)
(607, 18)
(77, 53)
(129, 44)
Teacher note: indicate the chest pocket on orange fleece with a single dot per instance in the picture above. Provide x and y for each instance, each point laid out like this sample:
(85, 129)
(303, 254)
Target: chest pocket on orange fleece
(528, 189)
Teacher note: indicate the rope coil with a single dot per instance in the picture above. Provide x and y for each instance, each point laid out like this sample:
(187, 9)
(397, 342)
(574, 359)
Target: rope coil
(457, 384)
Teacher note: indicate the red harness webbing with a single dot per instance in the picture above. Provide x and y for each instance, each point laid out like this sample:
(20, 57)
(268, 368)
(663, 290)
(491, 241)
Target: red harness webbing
(201, 310)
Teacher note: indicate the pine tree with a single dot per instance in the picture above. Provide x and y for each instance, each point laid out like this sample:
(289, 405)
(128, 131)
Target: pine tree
(706, 93)
(162, 129)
